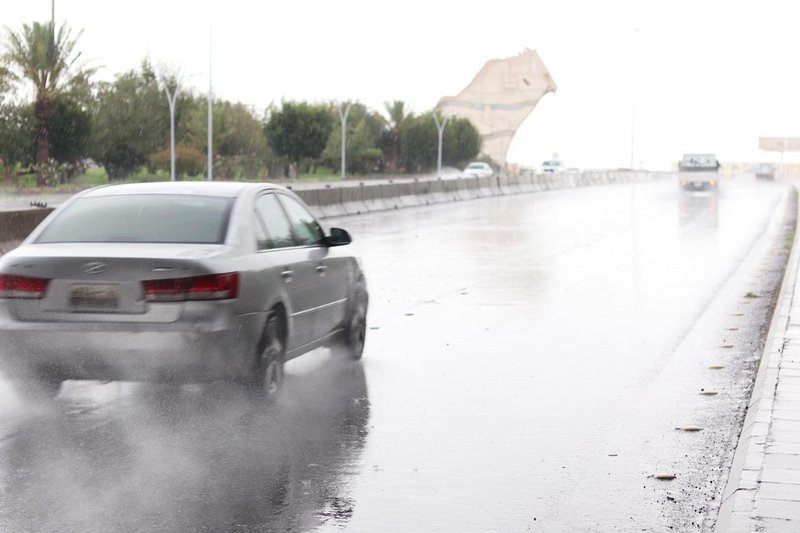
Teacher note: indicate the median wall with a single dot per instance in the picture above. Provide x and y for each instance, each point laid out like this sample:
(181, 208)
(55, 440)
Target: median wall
(340, 199)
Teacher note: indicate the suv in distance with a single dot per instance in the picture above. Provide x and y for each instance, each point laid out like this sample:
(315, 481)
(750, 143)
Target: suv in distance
(551, 167)
(698, 172)
(764, 171)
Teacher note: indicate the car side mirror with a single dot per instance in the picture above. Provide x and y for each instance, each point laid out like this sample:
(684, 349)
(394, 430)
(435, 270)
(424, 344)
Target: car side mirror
(338, 237)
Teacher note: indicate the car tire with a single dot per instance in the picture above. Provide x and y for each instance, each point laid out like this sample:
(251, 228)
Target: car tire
(268, 374)
(351, 343)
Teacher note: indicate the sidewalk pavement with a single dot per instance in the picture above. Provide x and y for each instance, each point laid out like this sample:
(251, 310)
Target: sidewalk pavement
(763, 488)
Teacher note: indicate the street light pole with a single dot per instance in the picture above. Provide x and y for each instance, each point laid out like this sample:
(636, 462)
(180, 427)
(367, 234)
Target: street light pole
(210, 171)
(440, 128)
(171, 98)
(343, 117)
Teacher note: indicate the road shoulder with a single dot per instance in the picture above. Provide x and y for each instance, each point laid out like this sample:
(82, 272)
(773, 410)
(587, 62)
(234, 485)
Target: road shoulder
(763, 488)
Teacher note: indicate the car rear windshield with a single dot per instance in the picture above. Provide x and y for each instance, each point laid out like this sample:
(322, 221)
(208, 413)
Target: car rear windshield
(156, 218)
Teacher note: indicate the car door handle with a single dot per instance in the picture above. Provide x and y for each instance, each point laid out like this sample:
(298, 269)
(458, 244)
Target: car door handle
(321, 269)
(287, 275)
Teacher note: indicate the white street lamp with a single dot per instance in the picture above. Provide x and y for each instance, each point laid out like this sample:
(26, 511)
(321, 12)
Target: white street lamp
(171, 98)
(440, 128)
(343, 117)
(210, 171)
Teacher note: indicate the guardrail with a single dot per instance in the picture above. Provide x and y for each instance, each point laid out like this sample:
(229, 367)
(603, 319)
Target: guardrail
(345, 199)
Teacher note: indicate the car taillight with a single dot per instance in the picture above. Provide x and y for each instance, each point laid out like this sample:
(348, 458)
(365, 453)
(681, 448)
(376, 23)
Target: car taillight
(22, 286)
(211, 287)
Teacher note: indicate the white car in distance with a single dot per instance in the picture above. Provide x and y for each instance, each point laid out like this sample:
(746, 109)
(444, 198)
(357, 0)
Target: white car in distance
(478, 169)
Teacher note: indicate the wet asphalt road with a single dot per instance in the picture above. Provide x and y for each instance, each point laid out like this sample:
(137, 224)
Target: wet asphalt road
(528, 361)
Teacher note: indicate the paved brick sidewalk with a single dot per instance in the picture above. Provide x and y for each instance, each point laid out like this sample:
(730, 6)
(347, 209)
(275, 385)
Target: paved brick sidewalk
(763, 489)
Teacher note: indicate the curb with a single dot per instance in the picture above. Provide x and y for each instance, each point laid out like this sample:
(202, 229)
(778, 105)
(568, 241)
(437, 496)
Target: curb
(737, 510)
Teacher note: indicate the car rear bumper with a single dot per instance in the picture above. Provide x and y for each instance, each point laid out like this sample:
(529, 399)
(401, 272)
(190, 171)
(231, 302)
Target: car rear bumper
(201, 351)
(698, 186)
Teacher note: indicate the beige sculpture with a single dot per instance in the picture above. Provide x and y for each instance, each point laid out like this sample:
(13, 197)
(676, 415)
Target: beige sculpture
(499, 98)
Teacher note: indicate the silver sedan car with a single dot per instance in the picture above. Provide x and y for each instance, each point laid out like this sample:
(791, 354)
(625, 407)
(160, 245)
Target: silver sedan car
(185, 281)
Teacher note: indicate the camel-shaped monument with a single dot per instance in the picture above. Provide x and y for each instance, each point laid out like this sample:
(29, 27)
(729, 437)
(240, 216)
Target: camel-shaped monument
(499, 99)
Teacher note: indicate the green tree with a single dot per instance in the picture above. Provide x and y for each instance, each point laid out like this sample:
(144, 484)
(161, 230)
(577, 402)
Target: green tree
(131, 121)
(17, 134)
(240, 147)
(419, 142)
(461, 142)
(5, 83)
(70, 129)
(189, 161)
(299, 130)
(46, 58)
(365, 130)
(398, 118)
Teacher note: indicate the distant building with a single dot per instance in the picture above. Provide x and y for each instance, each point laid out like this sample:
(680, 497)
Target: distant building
(499, 99)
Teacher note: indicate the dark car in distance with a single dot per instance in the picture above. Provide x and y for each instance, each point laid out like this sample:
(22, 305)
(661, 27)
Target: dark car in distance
(178, 281)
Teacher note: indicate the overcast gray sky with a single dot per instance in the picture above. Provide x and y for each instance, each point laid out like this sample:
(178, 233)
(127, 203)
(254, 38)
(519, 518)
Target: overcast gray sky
(709, 76)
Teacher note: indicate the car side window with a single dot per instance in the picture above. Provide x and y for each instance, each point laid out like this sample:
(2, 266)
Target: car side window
(306, 227)
(278, 231)
(263, 241)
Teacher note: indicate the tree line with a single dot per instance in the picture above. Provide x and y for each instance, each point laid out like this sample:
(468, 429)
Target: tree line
(124, 125)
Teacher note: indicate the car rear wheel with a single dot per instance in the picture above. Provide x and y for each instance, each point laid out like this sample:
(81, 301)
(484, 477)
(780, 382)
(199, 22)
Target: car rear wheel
(268, 374)
(354, 335)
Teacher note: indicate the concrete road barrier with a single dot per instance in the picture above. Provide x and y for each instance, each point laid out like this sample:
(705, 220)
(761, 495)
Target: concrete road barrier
(494, 186)
(373, 198)
(514, 183)
(538, 182)
(526, 183)
(502, 184)
(353, 200)
(450, 188)
(330, 202)
(438, 193)
(462, 190)
(484, 186)
(405, 192)
(471, 187)
(15, 225)
(390, 196)
(7, 246)
(333, 201)
(423, 190)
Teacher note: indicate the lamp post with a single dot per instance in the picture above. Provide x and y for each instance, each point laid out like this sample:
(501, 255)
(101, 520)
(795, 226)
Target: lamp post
(440, 128)
(210, 171)
(343, 110)
(635, 50)
(171, 98)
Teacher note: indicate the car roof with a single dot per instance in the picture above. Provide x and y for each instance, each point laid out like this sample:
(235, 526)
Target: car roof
(205, 188)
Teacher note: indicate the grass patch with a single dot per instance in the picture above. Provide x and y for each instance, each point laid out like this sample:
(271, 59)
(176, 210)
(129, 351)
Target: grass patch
(319, 174)
(92, 177)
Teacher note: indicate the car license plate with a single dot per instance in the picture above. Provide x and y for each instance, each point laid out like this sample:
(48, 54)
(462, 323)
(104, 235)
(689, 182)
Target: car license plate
(93, 297)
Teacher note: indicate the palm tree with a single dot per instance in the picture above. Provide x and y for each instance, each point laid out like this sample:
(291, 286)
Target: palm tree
(47, 59)
(5, 78)
(398, 116)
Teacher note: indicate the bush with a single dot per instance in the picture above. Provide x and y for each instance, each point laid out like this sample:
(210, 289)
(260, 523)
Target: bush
(189, 161)
(55, 173)
(369, 160)
(239, 167)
